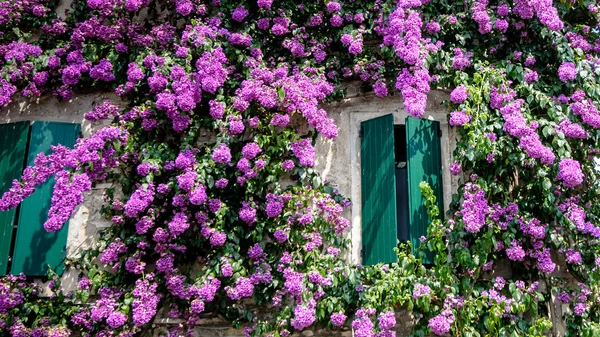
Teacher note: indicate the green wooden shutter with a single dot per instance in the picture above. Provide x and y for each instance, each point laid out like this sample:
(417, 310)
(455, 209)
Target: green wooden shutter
(36, 249)
(379, 235)
(13, 147)
(424, 156)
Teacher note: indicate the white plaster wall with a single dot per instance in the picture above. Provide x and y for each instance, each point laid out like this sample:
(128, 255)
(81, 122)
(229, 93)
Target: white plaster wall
(338, 160)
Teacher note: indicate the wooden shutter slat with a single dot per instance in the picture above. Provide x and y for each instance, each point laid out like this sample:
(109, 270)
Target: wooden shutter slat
(424, 163)
(379, 234)
(36, 249)
(13, 147)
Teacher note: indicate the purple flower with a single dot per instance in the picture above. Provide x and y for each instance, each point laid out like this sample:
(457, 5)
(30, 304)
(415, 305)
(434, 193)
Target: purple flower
(545, 263)
(280, 235)
(441, 324)
(336, 20)
(459, 118)
(264, 3)
(567, 71)
(333, 7)
(569, 172)
(474, 208)
(362, 325)
(579, 309)
(221, 154)
(243, 288)
(338, 319)
(226, 270)
(421, 290)
(198, 195)
(85, 283)
(221, 183)
(380, 89)
(103, 71)
(387, 320)
(239, 14)
(304, 316)
(247, 214)
(572, 130)
(502, 25)
(274, 208)
(459, 95)
(218, 238)
(515, 252)
(287, 165)
(187, 180)
(116, 319)
(433, 27)
(255, 252)
(251, 150)
(304, 151)
(573, 256)
(531, 76)
(455, 168)
(178, 224)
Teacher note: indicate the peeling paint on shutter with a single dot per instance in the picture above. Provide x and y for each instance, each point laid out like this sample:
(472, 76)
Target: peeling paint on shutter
(424, 156)
(36, 249)
(379, 234)
(13, 147)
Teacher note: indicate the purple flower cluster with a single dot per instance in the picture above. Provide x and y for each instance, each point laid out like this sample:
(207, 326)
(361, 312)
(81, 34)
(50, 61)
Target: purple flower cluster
(304, 315)
(362, 324)
(569, 172)
(461, 59)
(421, 290)
(567, 71)
(459, 94)
(474, 208)
(414, 88)
(441, 324)
(304, 151)
(145, 302)
(459, 118)
(338, 319)
(587, 111)
(92, 152)
(515, 252)
(243, 288)
(480, 15)
(516, 126)
(572, 130)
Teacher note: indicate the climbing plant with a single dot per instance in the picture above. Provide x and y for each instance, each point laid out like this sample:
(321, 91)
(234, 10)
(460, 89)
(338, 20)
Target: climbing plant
(210, 226)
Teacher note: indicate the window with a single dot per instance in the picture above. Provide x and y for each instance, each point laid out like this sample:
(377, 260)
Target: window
(25, 247)
(394, 160)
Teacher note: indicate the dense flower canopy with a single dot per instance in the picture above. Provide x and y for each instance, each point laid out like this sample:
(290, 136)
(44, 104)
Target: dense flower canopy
(209, 227)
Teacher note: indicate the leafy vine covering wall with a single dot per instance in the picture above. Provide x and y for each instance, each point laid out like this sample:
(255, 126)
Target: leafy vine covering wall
(210, 229)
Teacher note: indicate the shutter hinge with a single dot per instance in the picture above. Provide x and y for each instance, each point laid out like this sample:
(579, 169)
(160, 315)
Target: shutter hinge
(361, 132)
(439, 131)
